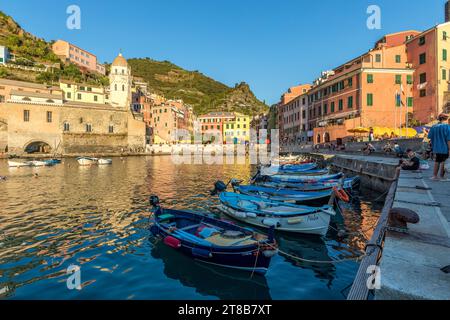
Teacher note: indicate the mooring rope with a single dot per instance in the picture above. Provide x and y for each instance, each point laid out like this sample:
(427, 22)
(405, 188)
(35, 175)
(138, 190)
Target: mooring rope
(256, 261)
(355, 259)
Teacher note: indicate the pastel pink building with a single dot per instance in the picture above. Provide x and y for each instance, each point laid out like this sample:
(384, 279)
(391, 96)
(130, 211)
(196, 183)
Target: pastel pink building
(78, 56)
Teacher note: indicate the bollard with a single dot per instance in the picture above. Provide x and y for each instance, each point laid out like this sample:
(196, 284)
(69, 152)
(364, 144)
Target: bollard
(399, 219)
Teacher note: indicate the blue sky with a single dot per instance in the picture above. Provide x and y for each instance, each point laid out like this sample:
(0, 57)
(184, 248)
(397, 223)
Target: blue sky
(270, 44)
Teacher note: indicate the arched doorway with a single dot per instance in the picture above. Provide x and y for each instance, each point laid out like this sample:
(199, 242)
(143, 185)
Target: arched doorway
(326, 137)
(318, 139)
(38, 147)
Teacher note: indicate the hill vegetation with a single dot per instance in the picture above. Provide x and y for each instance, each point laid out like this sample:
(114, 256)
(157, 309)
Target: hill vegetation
(202, 92)
(33, 52)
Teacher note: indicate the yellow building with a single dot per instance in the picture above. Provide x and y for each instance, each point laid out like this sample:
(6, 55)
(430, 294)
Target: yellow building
(237, 130)
(83, 93)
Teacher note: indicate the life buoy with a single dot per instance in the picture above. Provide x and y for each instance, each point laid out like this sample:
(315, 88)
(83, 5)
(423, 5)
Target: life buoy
(341, 194)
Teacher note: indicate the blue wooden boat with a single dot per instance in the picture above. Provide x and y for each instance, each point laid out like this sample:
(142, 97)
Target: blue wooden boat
(285, 195)
(297, 167)
(302, 179)
(348, 184)
(278, 170)
(213, 241)
(52, 162)
(265, 213)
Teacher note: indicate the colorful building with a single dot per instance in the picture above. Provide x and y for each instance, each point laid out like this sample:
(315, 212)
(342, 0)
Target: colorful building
(429, 55)
(285, 106)
(83, 93)
(172, 121)
(259, 123)
(4, 55)
(39, 117)
(295, 120)
(212, 125)
(82, 58)
(237, 129)
(364, 92)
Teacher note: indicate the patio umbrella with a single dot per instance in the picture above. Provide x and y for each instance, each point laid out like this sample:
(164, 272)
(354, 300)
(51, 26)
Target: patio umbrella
(380, 131)
(359, 130)
(406, 132)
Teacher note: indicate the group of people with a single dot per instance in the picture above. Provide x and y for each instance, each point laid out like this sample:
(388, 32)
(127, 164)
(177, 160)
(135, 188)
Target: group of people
(436, 146)
(439, 141)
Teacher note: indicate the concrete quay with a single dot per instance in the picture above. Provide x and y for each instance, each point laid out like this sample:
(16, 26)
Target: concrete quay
(411, 262)
(376, 172)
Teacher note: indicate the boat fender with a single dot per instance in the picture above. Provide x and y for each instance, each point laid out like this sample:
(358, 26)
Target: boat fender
(154, 230)
(239, 214)
(172, 242)
(201, 253)
(295, 221)
(341, 194)
(269, 253)
(251, 215)
(272, 222)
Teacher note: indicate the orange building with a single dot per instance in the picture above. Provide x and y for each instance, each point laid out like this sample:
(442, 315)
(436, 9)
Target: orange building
(212, 125)
(286, 108)
(363, 92)
(78, 56)
(429, 55)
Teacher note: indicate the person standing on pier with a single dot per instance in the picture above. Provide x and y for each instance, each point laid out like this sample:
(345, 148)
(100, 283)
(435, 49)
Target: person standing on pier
(439, 136)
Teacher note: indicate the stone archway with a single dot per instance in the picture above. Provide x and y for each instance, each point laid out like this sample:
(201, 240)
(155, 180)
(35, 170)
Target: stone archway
(37, 147)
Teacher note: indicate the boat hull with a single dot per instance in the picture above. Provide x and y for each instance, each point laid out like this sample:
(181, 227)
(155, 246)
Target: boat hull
(40, 164)
(15, 164)
(348, 185)
(246, 258)
(266, 213)
(53, 162)
(86, 161)
(303, 179)
(313, 224)
(104, 161)
(272, 171)
(286, 195)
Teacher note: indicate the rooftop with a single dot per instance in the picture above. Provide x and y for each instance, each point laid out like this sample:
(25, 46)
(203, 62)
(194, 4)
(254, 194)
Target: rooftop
(36, 94)
(25, 84)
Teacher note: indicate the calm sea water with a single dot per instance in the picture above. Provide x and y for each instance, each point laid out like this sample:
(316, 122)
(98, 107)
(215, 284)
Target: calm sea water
(97, 218)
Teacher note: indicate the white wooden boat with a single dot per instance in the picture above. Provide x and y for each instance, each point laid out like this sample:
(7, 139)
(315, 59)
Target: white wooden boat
(104, 161)
(286, 217)
(36, 163)
(86, 161)
(18, 164)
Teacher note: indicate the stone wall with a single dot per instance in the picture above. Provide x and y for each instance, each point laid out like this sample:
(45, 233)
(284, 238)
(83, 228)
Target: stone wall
(113, 129)
(3, 135)
(414, 144)
(85, 143)
(21, 133)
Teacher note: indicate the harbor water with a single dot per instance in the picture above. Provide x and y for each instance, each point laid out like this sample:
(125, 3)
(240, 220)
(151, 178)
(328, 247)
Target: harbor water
(97, 218)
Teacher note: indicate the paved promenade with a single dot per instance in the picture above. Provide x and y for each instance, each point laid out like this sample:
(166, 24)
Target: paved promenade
(411, 263)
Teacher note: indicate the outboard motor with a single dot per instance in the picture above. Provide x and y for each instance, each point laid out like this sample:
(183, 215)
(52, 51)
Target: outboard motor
(154, 201)
(219, 187)
(257, 176)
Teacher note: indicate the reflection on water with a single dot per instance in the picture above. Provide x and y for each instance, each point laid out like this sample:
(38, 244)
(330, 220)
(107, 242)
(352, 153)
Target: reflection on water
(97, 218)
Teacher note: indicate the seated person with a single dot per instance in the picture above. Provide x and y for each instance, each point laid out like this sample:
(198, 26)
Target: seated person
(413, 162)
(368, 149)
(398, 150)
(388, 148)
